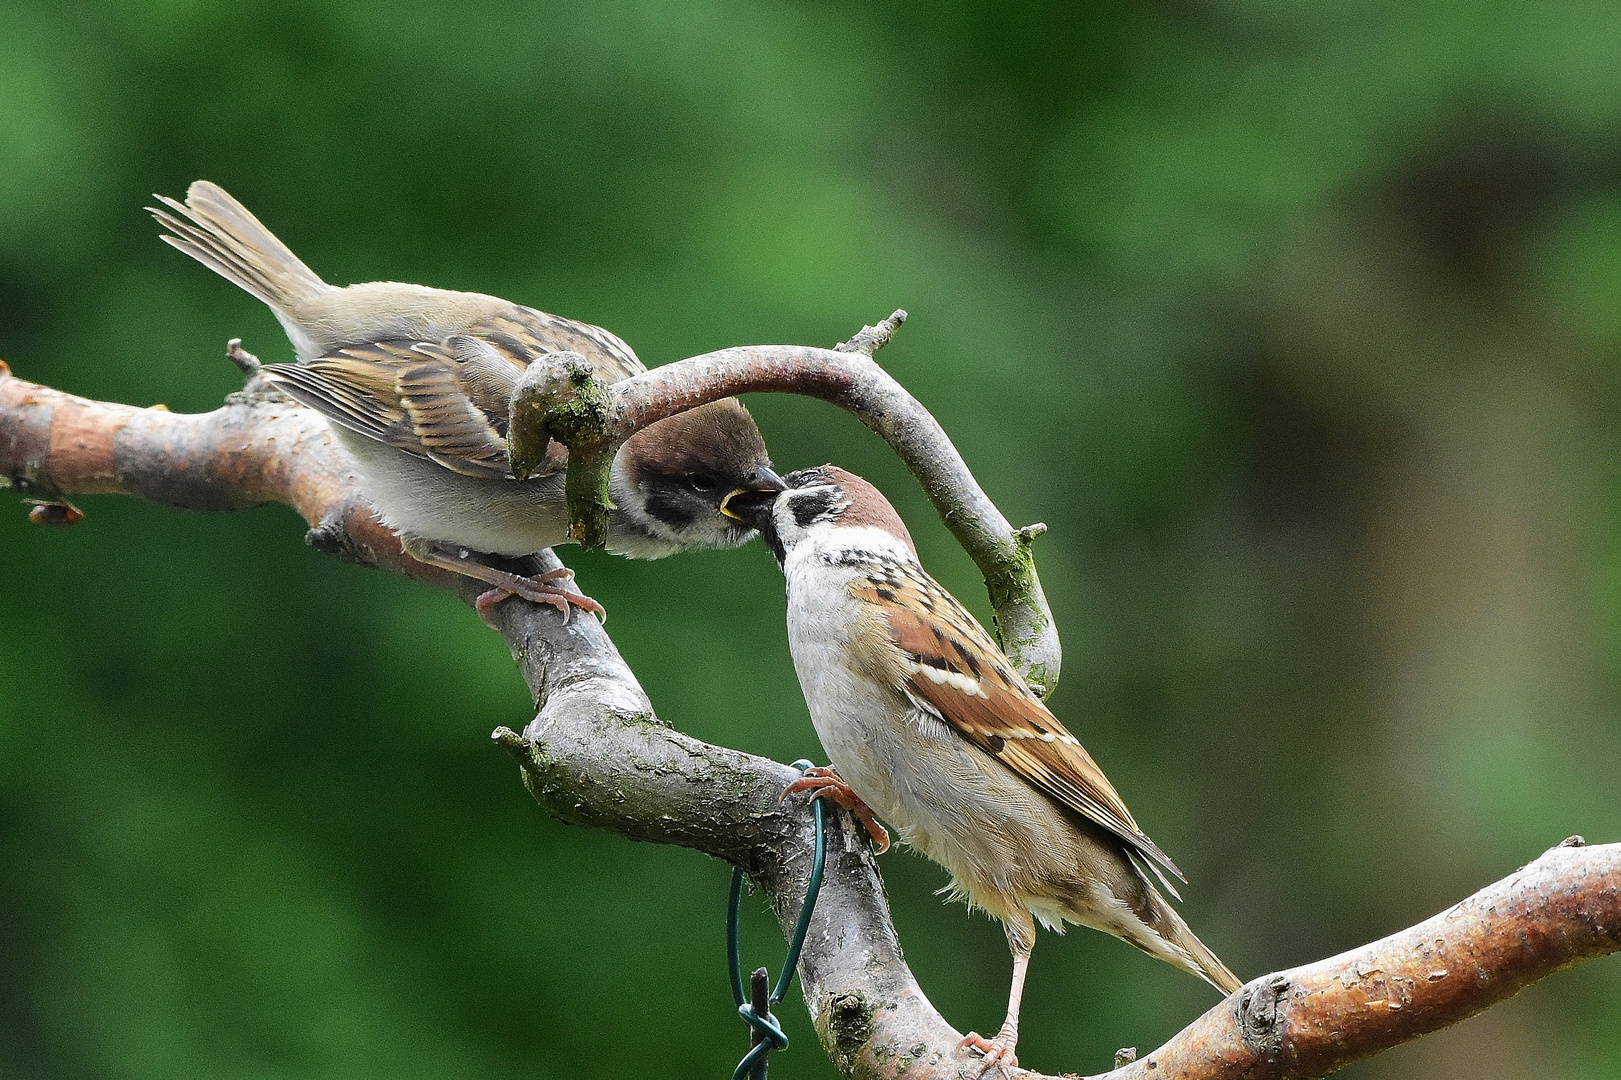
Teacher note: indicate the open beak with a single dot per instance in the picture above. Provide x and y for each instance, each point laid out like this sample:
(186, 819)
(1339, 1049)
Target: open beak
(764, 486)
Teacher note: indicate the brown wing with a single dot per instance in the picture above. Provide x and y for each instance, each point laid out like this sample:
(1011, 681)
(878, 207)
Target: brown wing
(957, 672)
(353, 388)
(412, 396)
(448, 401)
(526, 330)
(448, 424)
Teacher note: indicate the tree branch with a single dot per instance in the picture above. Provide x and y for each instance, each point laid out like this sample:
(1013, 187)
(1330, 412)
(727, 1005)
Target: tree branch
(1309, 1021)
(846, 376)
(596, 755)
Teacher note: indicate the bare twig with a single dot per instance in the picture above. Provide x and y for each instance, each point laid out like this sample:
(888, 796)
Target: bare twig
(872, 338)
(595, 755)
(245, 361)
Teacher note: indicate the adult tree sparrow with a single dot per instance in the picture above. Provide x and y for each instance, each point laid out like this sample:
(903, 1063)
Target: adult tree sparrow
(927, 723)
(418, 383)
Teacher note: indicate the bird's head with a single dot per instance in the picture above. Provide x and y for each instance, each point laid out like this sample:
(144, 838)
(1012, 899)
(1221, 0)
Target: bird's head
(827, 506)
(672, 479)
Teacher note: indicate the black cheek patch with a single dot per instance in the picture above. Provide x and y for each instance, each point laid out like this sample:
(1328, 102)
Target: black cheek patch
(810, 506)
(670, 508)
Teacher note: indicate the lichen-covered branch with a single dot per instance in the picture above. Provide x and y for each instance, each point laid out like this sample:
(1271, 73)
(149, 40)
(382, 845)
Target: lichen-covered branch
(847, 376)
(596, 755)
(566, 401)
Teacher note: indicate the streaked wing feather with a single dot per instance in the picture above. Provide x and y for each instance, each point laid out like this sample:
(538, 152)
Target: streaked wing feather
(488, 375)
(448, 426)
(1145, 866)
(526, 330)
(448, 401)
(351, 391)
(959, 672)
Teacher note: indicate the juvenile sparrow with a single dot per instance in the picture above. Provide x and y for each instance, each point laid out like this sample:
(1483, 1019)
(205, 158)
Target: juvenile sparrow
(928, 724)
(418, 382)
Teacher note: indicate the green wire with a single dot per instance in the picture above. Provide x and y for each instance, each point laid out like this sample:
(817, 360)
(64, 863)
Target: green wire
(734, 957)
(818, 862)
(754, 1062)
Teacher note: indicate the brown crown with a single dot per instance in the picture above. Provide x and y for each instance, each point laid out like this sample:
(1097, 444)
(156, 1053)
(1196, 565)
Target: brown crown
(719, 439)
(867, 506)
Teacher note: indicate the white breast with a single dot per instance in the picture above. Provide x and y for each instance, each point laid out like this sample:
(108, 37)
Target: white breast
(843, 703)
(423, 499)
(957, 805)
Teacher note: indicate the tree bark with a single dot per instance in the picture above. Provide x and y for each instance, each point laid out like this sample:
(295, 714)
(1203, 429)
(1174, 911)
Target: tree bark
(1309, 1021)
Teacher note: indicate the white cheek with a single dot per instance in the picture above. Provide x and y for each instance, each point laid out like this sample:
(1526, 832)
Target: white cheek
(788, 530)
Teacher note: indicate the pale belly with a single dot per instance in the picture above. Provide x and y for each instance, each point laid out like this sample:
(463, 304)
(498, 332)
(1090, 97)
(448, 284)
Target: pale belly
(424, 499)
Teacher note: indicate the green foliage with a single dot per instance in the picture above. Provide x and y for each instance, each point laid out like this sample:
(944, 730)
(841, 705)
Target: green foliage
(1298, 324)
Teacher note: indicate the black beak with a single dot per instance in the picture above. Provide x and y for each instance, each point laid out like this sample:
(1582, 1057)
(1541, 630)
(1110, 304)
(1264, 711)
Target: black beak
(747, 503)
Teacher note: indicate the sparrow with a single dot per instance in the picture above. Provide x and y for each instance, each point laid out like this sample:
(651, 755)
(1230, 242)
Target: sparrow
(417, 383)
(929, 726)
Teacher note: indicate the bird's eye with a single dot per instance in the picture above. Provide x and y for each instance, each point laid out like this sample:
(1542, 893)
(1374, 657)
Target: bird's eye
(702, 483)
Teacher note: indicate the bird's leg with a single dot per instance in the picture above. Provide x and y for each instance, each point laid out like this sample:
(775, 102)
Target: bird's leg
(536, 588)
(824, 783)
(1021, 938)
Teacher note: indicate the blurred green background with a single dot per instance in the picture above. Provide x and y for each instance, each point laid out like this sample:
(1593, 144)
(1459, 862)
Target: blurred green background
(1300, 325)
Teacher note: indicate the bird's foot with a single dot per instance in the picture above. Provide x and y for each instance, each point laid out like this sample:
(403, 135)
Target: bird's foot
(998, 1052)
(824, 783)
(538, 590)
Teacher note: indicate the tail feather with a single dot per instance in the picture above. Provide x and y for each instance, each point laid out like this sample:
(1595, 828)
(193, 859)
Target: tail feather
(1211, 969)
(220, 233)
(1143, 866)
(1178, 944)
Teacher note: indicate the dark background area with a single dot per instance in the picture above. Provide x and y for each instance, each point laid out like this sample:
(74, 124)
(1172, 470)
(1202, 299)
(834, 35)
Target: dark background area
(1298, 324)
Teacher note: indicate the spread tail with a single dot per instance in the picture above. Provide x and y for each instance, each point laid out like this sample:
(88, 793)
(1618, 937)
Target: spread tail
(220, 233)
